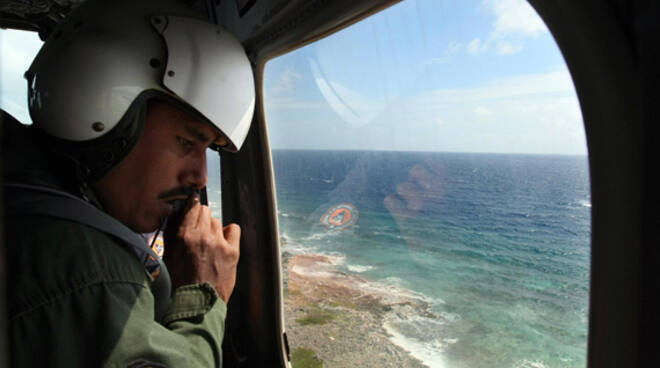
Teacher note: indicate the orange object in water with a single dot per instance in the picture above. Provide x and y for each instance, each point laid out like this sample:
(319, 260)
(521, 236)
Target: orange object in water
(340, 216)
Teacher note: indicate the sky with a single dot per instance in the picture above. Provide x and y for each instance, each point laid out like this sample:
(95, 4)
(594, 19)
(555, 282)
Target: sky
(429, 75)
(17, 49)
(423, 75)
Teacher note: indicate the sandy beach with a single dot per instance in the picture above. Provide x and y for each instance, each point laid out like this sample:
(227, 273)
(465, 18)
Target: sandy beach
(339, 319)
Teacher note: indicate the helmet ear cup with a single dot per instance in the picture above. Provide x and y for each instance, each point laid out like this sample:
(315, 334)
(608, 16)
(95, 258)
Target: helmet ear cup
(95, 158)
(87, 74)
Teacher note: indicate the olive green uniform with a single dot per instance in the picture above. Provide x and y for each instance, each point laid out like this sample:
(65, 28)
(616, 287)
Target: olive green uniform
(79, 297)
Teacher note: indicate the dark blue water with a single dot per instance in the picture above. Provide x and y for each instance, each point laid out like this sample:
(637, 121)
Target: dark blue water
(498, 244)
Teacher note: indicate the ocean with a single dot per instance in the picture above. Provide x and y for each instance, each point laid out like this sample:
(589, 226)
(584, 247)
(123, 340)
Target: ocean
(498, 244)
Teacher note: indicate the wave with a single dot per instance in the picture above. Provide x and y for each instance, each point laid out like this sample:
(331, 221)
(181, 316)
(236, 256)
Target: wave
(287, 244)
(393, 281)
(321, 235)
(396, 287)
(296, 249)
(529, 364)
(419, 332)
(359, 268)
(430, 353)
(335, 258)
(585, 203)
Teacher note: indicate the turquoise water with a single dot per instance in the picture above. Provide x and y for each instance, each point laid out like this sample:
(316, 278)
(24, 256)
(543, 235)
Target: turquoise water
(498, 244)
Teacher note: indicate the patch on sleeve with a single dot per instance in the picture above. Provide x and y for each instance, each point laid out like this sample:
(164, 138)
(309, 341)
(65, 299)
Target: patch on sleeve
(157, 243)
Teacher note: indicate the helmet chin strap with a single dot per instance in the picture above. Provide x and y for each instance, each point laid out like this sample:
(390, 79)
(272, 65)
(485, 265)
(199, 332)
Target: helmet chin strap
(178, 205)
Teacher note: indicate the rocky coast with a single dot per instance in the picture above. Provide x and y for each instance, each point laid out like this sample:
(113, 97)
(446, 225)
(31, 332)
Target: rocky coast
(336, 319)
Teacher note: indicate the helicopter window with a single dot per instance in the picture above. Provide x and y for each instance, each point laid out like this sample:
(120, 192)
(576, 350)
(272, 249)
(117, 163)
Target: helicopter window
(433, 191)
(214, 184)
(17, 49)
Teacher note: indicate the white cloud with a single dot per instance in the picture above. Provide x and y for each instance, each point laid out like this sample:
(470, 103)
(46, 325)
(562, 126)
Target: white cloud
(524, 114)
(476, 47)
(508, 48)
(286, 82)
(515, 21)
(515, 17)
(482, 111)
(452, 49)
(508, 87)
(536, 113)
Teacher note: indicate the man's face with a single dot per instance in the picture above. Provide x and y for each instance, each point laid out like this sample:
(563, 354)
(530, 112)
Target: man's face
(167, 161)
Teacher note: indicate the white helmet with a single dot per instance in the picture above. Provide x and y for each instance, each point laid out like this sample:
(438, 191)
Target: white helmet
(108, 57)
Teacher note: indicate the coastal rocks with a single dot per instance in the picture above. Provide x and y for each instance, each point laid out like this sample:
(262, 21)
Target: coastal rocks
(341, 316)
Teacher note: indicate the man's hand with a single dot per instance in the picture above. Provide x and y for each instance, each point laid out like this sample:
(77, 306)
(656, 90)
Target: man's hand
(202, 250)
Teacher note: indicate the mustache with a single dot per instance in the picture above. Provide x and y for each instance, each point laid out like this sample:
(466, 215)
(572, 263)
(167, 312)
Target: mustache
(181, 191)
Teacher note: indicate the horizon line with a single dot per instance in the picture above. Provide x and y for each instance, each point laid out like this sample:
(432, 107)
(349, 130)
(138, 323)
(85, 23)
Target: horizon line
(420, 151)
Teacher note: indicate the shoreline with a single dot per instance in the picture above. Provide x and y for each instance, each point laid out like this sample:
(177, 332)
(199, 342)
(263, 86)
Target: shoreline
(342, 317)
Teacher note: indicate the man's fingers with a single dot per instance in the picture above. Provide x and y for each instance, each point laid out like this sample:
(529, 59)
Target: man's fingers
(232, 233)
(191, 216)
(191, 201)
(204, 218)
(216, 226)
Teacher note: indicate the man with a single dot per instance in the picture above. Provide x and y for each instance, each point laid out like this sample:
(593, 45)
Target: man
(122, 120)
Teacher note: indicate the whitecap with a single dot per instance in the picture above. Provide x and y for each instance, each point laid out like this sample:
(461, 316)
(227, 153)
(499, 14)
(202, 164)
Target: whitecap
(428, 352)
(287, 244)
(529, 364)
(449, 317)
(320, 235)
(335, 258)
(393, 281)
(394, 287)
(296, 249)
(359, 268)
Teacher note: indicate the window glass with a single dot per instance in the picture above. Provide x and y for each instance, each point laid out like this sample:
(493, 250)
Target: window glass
(17, 50)
(214, 184)
(433, 193)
